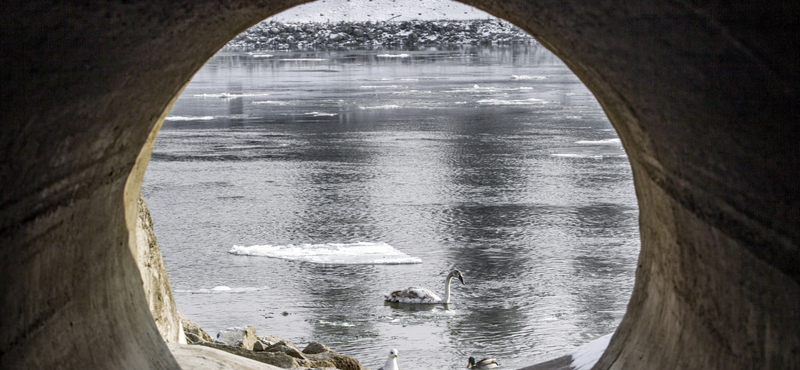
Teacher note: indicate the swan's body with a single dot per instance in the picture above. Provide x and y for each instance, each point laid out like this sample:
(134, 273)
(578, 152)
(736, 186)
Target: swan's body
(486, 363)
(391, 362)
(422, 295)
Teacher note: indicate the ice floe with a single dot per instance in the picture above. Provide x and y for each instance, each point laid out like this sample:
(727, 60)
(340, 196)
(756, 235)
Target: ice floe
(361, 253)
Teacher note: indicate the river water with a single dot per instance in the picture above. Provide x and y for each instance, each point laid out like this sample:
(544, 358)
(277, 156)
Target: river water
(289, 190)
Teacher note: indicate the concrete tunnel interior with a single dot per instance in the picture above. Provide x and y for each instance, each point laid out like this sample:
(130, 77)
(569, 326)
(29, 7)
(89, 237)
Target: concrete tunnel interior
(704, 97)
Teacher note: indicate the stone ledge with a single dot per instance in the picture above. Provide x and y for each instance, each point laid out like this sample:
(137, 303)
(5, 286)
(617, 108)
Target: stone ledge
(192, 357)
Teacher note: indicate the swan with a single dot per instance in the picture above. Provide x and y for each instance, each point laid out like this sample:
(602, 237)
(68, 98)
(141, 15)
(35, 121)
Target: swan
(486, 363)
(391, 362)
(422, 295)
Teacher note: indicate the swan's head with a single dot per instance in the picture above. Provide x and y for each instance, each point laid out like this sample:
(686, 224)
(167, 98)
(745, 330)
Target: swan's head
(457, 274)
(471, 362)
(393, 353)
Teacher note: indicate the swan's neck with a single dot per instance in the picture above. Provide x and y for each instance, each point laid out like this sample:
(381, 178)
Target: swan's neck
(447, 289)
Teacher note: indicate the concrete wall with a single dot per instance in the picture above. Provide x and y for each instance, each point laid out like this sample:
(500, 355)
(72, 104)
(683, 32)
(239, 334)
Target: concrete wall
(155, 281)
(704, 96)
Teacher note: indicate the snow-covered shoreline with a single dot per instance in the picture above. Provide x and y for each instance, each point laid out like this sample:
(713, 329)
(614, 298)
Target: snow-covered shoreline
(271, 35)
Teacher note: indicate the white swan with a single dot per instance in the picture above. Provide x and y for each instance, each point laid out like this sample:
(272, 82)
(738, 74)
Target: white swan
(391, 362)
(486, 363)
(422, 295)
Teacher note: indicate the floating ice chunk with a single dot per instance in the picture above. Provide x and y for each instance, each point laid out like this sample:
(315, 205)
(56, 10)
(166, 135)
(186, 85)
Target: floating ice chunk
(331, 323)
(600, 142)
(226, 95)
(189, 118)
(511, 102)
(219, 289)
(362, 253)
(379, 87)
(320, 114)
(381, 107)
(271, 102)
(526, 77)
(577, 155)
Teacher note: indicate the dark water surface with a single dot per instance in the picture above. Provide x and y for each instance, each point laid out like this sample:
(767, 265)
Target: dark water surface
(495, 160)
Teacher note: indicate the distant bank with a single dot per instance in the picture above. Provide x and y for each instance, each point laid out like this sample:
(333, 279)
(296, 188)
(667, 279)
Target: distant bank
(270, 35)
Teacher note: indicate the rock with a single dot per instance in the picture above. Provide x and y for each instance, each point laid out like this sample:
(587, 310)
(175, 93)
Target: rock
(412, 38)
(286, 355)
(287, 348)
(260, 345)
(331, 359)
(294, 352)
(273, 358)
(272, 339)
(314, 348)
(238, 337)
(194, 330)
(319, 355)
(303, 36)
(192, 338)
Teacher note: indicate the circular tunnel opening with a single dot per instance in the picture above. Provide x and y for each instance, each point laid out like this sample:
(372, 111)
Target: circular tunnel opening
(477, 151)
(703, 97)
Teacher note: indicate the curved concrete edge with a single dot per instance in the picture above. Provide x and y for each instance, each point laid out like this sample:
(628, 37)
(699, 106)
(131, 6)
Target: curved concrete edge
(701, 299)
(704, 96)
(559, 363)
(157, 290)
(194, 357)
(582, 358)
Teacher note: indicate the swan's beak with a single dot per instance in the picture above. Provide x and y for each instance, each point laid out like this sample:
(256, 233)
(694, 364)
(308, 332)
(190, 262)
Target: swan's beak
(462, 280)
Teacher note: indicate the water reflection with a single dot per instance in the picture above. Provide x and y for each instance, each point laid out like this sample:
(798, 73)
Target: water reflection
(492, 160)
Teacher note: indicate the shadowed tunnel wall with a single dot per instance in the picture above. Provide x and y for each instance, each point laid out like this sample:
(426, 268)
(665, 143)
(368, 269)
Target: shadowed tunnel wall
(704, 96)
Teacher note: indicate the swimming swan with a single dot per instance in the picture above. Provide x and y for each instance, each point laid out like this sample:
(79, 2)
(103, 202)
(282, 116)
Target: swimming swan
(422, 295)
(391, 362)
(486, 363)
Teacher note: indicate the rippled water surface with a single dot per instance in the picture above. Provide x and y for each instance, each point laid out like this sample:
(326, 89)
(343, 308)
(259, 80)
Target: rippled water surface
(496, 161)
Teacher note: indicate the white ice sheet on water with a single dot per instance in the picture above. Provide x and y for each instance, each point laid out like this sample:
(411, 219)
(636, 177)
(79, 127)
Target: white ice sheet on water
(361, 253)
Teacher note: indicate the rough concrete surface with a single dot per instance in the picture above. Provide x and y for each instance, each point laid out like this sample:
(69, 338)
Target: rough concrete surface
(194, 357)
(704, 96)
(155, 280)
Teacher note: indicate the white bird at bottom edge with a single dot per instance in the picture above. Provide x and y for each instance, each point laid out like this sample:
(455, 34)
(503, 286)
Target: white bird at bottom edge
(391, 362)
